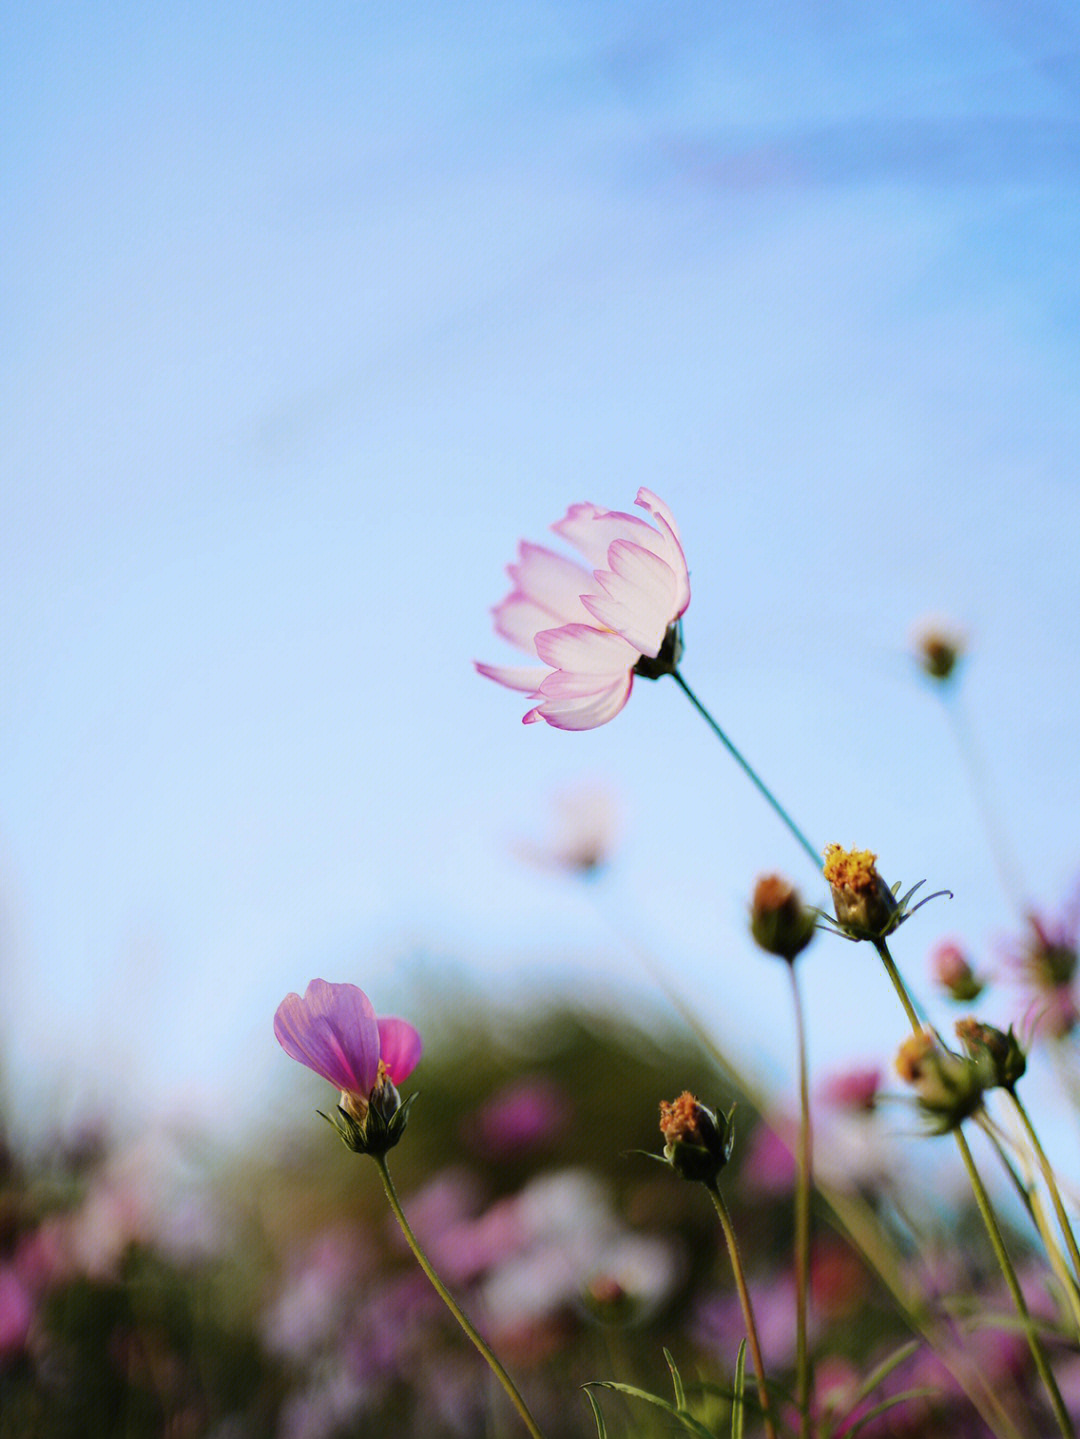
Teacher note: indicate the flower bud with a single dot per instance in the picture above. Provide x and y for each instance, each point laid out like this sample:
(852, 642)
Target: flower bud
(698, 1142)
(865, 906)
(954, 973)
(939, 649)
(949, 1087)
(985, 1043)
(373, 1125)
(779, 921)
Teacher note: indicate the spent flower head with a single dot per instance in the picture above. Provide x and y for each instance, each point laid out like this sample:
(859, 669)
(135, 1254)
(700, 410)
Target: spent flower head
(334, 1030)
(594, 629)
(697, 1141)
(949, 1087)
(779, 921)
(866, 907)
(1000, 1050)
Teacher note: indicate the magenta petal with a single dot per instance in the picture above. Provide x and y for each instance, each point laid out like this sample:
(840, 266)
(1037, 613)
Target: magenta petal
(400, 1047)
(334, 1032)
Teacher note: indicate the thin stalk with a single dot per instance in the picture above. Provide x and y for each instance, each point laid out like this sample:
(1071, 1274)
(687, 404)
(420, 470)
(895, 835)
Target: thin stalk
(751, 773)
(1029, 1197)
(802, 1218)
(1001, 850)
(898, 984)
(982, 1199)
(1051, 1182)
(747, 1308)
(861, 1226)
(451, 1304)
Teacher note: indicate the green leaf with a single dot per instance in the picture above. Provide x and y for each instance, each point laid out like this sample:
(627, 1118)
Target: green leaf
(676, 1380)
(885, 1368)
(923, 1392)
(601, 1427)
(689, 1423)
(738, 1408)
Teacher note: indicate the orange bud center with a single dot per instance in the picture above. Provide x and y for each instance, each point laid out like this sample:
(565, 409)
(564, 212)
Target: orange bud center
(678, 1120)
(912, 1056)
(772, 893)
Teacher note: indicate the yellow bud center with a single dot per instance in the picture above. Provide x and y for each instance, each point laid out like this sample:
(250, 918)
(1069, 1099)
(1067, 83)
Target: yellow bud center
(852, 869)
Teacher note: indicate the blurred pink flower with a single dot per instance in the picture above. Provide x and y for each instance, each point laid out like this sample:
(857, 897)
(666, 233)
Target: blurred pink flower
(1045, 960)
(769, 1162)
(16, 1312)
(592, 629)
(582, 835)
(334, 1031)
(519, 1117)
(855, 1089)
(951, 968)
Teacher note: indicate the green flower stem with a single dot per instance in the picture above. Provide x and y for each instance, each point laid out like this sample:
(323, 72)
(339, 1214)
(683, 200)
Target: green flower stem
(751, 773)
(898, 984)
(444, 1294)
(982, 1199)
(747, 1308)
(1029, 1198)
(802, 1219)
(1051, 1182)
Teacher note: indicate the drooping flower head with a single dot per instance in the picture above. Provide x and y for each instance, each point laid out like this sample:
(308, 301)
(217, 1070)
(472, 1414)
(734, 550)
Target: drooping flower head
(594, 630)
(334, 1031)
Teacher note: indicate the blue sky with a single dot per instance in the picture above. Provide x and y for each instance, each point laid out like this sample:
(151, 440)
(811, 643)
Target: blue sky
(312, 312)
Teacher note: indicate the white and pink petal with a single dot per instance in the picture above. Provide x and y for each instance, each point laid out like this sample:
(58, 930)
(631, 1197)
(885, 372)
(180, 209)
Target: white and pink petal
(638, 600)
(526, 678)
(551, 582)
(585, 650)
(584, 711)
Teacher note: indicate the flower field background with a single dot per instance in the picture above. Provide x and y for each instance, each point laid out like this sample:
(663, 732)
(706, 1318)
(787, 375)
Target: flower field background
(168, 1291)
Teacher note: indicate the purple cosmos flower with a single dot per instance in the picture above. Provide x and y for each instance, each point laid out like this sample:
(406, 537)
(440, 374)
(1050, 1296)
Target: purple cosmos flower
(335, 1032)
(593, 628)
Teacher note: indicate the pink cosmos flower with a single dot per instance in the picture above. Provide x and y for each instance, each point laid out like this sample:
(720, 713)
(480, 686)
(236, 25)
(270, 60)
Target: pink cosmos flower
(592, 628)
(334, 1031)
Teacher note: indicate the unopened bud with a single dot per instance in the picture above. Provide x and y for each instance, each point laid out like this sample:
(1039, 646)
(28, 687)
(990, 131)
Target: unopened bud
(985, 1043)
(939, 649)
(954, 973)
(698, 1142)
(949, 1087)
(779, 921)
(865, 905)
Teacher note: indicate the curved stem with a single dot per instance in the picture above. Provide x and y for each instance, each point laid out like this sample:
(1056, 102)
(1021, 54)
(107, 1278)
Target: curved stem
(1051, 1182)
(747, 1308)
(802, 1219)
(748, 769)
(445, 1295)
(982, 1199)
